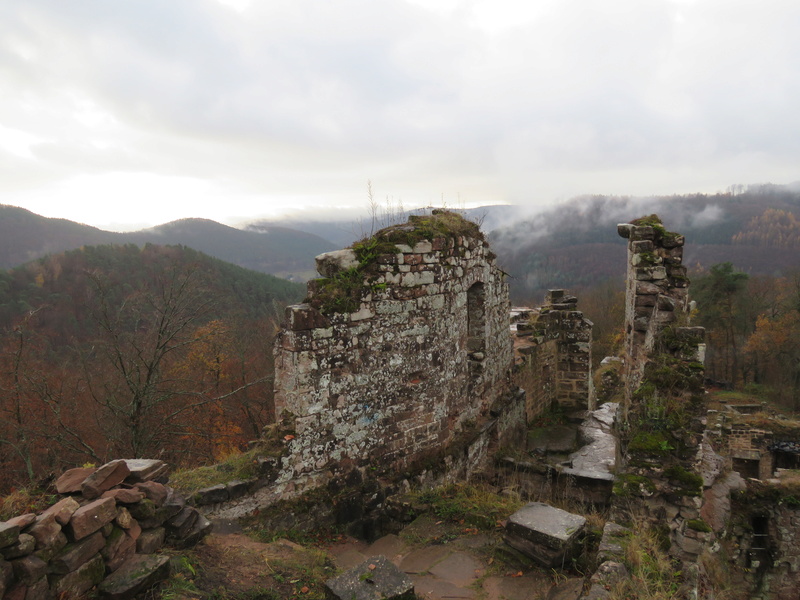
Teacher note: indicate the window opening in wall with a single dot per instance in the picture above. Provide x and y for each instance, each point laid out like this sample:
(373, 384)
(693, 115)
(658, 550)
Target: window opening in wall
(786, 455)
(746, 467)
(476, 322)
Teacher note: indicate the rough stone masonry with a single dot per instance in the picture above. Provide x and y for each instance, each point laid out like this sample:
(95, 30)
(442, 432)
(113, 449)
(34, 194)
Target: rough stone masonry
(422, 357)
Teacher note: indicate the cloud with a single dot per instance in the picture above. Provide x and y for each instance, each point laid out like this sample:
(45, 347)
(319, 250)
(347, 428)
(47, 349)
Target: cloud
(300, 102)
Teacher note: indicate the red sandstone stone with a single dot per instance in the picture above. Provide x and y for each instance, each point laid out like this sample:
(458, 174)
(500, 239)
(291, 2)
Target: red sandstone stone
(22, 521)
(105, 478)
(63, 510)
(124, 495)
(155, 492)
(92, 517)
(70, 482)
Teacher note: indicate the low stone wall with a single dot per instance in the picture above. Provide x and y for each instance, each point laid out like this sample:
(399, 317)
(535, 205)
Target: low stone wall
(105, 533)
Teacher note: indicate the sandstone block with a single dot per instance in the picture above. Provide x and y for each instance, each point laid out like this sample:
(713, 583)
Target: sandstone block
(63, 510)
(48, 535)
(9, 534)
(6, 576)
(302, 317)
(104, 478)
(374, 579)
(92, 517)
(211, 495)
(330, 264)
(75, 584)
(124, 495)
(124, 518)
(29, 569)
(201, 528)
(151, 540)
(153, 491)
(145, 469)
(139, 573)
(74, 555)
(22, 521)
(181, 524)
(24, 546)
(546, 534)
(118, 548)
(71, 480)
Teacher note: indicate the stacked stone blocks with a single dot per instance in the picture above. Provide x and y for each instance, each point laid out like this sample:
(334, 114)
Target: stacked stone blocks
(104, 532)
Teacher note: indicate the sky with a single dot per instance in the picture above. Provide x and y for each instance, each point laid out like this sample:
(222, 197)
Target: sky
(131, 113)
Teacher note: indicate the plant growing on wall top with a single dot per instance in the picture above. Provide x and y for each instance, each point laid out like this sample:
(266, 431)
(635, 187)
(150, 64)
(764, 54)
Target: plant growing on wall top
(343, 292)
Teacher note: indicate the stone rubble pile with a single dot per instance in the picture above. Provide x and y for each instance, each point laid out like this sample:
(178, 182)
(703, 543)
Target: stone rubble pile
(104, 532)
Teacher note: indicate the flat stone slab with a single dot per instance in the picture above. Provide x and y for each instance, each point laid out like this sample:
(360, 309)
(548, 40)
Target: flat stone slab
(424, 559)
(459, 568)
(433, 588)
(138, 574)
(391, 546)
(374, 579)
(546, 534)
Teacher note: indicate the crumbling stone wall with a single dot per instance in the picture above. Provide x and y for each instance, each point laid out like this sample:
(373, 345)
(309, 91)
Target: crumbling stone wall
(554, 361)
(656, 289)
(419, 361)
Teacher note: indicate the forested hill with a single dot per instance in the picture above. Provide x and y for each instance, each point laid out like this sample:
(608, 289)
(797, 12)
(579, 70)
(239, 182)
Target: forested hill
(576, 244)
(281, 251)
(109, 351)
(67, 288)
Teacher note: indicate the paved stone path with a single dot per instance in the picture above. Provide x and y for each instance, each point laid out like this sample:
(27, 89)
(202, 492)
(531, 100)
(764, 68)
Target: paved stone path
(448, 566)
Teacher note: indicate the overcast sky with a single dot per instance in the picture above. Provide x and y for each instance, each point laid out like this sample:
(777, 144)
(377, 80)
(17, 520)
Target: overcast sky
(129, 112)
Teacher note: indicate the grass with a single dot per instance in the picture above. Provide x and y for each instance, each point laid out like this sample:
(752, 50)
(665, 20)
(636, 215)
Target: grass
(478, 506)
(239, 465)
(25, 500)
(653, 574)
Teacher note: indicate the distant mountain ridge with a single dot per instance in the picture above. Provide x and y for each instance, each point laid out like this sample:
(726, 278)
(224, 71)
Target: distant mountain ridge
(288, 253)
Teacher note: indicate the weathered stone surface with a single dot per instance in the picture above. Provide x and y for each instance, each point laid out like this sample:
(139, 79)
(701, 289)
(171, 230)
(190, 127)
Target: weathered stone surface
(48, 535)
(331, 263)
(201, 528)
(6, 576)
(63, 510)
(106, 477)
(124, 495)
(71, 480)
(611, 543)
(181, 524)
(92, 517)
(143, 469)
(155, 492)
(123, 518)
(38, 590)
(9, 534)
(29, 569)
(138, 574)
(151, 540)
(149, 515)
(566, 590)
(75, 584)
(24, 546)
(237, 488)
(74, 555)
(22, 521)
(119, 547)
(211, 495)
(375, 579)
(544, 533)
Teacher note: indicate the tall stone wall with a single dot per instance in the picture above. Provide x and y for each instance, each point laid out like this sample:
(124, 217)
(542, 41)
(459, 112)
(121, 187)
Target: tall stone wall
(419, 361)
(554, 360)
(656, 289)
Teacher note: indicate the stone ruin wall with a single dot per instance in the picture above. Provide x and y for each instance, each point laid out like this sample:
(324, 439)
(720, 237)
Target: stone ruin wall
(423, 359)
(656, 292)
(554, 357)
